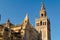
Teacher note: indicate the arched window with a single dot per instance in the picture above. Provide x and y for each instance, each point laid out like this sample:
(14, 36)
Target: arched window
(40, 22)
(44, 23)
(42, 15)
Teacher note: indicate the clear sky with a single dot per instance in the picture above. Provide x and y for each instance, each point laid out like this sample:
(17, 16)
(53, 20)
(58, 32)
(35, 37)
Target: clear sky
(15, 10)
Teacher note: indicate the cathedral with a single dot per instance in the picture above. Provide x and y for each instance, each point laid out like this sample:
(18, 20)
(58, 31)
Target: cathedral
(26, 31)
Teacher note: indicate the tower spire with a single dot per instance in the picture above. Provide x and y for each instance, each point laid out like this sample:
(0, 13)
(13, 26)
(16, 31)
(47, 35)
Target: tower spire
(43, 11)
(43, 24)
(43, 7)
(26, 19)
(8, 21)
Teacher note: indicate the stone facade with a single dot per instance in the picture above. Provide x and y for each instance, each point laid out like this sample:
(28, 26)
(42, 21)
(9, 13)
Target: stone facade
(43, 24)
(26, 31)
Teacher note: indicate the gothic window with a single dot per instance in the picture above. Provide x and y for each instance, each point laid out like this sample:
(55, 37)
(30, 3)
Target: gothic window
(37, 24)
(40, 22)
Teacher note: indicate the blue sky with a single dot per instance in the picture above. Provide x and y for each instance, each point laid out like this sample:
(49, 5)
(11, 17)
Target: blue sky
(15, 10)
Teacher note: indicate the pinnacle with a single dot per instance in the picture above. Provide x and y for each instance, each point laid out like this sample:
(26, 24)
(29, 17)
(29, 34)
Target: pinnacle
(8, 20)
(26, 17)
(42, 8)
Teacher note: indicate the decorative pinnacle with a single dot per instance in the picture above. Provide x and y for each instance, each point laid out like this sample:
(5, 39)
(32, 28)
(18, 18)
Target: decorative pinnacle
(42, 8)
(26, 17)
(8, 20)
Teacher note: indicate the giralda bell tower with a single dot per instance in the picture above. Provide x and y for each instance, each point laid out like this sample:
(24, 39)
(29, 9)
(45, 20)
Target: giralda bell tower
(43, 25)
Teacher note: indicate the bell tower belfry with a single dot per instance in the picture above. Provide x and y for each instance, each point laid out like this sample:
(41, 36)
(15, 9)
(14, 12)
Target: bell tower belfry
(43, 24)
